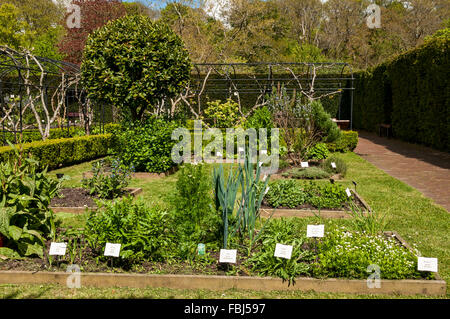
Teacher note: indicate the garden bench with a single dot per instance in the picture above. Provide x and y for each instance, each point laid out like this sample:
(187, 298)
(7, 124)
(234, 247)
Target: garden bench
(386, 129)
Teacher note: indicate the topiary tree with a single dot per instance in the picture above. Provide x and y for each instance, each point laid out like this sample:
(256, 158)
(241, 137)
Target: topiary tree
(134, 63)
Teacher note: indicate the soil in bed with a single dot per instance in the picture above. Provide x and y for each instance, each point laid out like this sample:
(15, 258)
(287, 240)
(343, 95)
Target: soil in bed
(76, 197)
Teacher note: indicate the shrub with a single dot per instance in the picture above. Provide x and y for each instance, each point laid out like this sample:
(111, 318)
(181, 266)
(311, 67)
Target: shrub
(222, 115)
(147, 145)
(261, 118)
(107, 185)
(347, 142)
(134, 63)
(143, 232)
(193, 216)
(318, 151)
(64, 152)
(341, 166)
(348, 254)
(25, 218)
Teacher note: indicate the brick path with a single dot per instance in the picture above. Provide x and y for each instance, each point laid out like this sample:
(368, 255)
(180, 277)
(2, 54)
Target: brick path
(421, 167)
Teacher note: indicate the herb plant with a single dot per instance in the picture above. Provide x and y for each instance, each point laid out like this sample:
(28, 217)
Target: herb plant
(108, 185)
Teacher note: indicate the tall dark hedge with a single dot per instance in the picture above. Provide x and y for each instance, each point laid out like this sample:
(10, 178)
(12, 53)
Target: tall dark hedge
(410, 92)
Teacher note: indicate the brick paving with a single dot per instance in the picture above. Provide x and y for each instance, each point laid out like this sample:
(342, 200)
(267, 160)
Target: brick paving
(421, 167)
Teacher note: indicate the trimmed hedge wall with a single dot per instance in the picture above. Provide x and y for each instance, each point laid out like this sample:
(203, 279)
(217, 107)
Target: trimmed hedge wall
(64, 152)
(411, 92)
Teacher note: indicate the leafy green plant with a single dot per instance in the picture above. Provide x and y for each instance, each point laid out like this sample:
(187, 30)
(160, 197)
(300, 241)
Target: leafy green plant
(194, 218)
(348, 254)
(147, 145)
(222, 115)
(263, 261)
(308, 173)
(370, 222)
(108, 185)
(143, 232)
(341, 166)
(326, 195)
(285, 193)
(26, 220)
(319, 151)
(248, 212)
(225, 197)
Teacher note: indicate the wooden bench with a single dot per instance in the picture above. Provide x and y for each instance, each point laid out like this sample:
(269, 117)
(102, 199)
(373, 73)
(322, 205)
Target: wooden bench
(386, 129)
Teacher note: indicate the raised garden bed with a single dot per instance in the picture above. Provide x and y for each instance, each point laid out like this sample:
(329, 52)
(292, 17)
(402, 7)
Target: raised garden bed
(76, 200)
(41, 275)
(309, 211)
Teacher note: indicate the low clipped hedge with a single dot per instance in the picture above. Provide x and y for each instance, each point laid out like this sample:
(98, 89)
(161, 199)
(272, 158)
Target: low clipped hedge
(347, 142)
(64, 152)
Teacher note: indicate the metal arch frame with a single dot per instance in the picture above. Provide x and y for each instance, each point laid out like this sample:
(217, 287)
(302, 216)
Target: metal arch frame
(344, 80)
(14, 68)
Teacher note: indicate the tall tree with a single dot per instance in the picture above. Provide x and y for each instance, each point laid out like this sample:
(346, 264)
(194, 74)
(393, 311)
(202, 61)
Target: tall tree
(94, 14)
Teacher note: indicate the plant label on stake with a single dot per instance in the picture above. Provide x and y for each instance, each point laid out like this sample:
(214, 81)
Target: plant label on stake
(241, 151)
(112, 250)
(201, 249)
(427, 264)
(315, 231)
(263, 152)
(347, 190)
(283, 251)
(333, 164)
(57, 249)
(219, 154)
(304, 164)
(228, 256)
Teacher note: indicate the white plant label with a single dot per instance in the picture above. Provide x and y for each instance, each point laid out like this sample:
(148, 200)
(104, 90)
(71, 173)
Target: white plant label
(266, 191)
(263, 152)
(427, 264)
(112, 250)
(304, 164)
(283, 251)
(241, 150)
(315, 231)
(228, 256)
(57, 249)
(260, 164)
(333, 164)
(264, 178)
(219, 154)
(348, 192)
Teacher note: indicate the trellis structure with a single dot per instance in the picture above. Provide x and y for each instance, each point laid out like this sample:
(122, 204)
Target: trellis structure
(35, 93)
(249, 84)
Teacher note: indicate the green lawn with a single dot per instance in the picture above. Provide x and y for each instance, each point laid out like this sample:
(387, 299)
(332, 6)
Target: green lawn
(412, 215)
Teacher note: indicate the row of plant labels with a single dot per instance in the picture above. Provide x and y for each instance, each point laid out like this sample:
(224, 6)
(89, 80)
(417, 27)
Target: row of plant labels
(230, 255)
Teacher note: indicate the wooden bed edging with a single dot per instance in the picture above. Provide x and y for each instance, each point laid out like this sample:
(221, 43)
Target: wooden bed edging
(302, 213)
(354, 286)
(433, 287)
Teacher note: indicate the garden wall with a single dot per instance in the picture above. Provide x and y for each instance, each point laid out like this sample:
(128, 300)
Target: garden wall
(410, 92)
